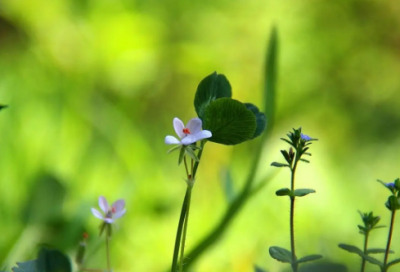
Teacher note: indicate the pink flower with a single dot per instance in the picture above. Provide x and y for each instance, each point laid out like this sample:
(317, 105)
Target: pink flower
(116, 210)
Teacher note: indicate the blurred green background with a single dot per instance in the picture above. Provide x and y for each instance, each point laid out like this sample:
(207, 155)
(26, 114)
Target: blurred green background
(93, 86)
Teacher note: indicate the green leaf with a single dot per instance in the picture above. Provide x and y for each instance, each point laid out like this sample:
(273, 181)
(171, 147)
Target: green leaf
(191, 153)
(280, 254)
(261, 120)
(304, 160)
(396, 261)
(356, 250)
(377, 251)
(393, 203)
(284, 192)
(211, 88)
(303, 192)
(28, 266)
(270, 75)
(181, 155)
(228, 187)
(258, 269)
(278, 164)
(309, 258)
(229, 121)
(51, 260)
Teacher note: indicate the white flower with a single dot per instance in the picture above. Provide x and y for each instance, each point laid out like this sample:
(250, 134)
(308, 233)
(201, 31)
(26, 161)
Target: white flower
(116, 210)
(189, 134)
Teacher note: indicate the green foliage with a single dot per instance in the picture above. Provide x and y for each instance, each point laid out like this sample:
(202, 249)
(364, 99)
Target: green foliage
(393, 203)
(28, 266)
(51, 260)
(3, 107)
(359, 252)
(211, 88)
(278, 164)
(281, 254)
(229, 121)
(228, 186)
(259, 269)
(370, 222)
(261, 120)
(284, 192)
(377, 251)
(303, 192)
(396, 261)
(309, 258)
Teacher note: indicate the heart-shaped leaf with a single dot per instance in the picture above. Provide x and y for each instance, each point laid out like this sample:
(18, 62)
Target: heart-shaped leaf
(211, 88)
(261, 120)
(280, 254)
(229, 121)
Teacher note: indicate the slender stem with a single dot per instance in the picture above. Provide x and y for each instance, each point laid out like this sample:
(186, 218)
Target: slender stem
(186, 167)
(389, 239)
(365, 250)
(179, 233)
(108, 253)
(185, 229)
(184, 211)
(292, 199)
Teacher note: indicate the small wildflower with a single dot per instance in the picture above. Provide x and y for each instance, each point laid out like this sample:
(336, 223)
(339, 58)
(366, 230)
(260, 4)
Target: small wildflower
(116, 210)
(306, 137)
(189, 134)
(390, 185)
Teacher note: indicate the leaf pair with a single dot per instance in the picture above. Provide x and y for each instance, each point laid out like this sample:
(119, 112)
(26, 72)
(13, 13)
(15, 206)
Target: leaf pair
(297, 192)
(230, 121)
(285, 256)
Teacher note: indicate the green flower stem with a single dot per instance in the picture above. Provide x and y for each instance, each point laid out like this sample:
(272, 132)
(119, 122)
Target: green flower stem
(179, 233)
(365, 250)
(174, 266)
(389, 239)
(292, 199)
(108, 253)
(189, 194)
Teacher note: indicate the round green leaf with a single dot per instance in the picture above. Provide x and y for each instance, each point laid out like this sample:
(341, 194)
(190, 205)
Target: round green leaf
(261, 120)
(229, 121)
(211, 88)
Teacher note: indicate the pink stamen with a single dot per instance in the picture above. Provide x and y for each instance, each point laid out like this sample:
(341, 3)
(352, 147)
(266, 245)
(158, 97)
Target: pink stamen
(186, 131)
(113, 209)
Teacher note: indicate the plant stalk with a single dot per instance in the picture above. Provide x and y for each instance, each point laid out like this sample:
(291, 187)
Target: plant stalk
(389, 239)
(292, 199)
(108, 253)
(189, 190)
(365, 251)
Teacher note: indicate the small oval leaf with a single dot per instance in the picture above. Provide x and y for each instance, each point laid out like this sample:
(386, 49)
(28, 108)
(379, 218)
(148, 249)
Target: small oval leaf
(278, 164)
(303, 192)
(309, 258)
(284, 192)
(280, 254)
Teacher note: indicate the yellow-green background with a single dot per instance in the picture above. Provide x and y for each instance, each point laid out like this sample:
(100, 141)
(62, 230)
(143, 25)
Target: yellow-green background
(93, 86)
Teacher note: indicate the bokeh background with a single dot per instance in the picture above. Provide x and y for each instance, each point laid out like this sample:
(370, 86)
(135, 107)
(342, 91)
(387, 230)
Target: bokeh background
(93, 86)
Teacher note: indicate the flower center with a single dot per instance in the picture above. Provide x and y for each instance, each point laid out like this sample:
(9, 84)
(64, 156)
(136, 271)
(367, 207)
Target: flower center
(186, 131)
(113, 209)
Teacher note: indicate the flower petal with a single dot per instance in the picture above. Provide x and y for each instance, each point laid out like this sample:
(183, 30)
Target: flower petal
(194, 125)
(179, 126)
(119, 214)
(118, 205)
(171, 140)
(190, 139)
(103, 204)
(204, 134)
(108, 220)
(97, 214)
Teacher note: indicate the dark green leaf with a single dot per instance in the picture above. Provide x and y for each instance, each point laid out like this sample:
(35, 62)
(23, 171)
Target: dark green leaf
(3, 107)
(270, 75)
(304, 160)
(181, 155)
(278, 164)
(356, 250)
(377, 251)
(261, 120)
(393, 203)
(289, 142)
(211, 88)
(258, 269)
(396, 261)
(50, 260)
(286, 156)
(28, 266)
(309, 258)
(303, 192)
(280, 254)
(229, 121)
(284, 192)
(191, 153)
